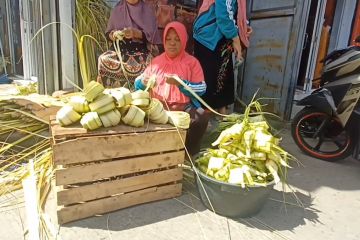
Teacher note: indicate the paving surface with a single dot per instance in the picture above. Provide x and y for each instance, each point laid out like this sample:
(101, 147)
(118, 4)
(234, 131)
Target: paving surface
(329, 192)
(8, 89)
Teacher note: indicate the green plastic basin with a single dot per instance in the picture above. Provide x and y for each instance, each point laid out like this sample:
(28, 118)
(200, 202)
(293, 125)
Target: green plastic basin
(232, 200)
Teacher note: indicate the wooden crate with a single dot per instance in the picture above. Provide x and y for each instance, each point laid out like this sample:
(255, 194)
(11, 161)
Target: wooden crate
(113, 168)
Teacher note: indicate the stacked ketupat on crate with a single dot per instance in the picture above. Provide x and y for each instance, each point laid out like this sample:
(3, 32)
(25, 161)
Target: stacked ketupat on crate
(122, 153)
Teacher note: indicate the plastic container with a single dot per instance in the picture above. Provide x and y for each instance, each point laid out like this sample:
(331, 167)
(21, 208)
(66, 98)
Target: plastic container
(232, 200)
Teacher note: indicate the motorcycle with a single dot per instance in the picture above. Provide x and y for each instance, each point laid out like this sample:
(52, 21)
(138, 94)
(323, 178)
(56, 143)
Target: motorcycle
(328, 126)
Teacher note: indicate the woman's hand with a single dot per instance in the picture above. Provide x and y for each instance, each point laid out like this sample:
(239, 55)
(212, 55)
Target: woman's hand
(149, 82)
(114, 35)
(129, 33)
(145, 81)
(249, 30)
(237, 48)
(170, 79)
(132, 33)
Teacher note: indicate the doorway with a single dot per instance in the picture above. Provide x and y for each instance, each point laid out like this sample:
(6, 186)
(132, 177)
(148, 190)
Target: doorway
(10, 36)
(308, 43)
(317, 38)
(329, 28)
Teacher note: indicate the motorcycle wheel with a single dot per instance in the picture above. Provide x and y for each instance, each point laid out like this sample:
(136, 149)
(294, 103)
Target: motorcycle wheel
(333, 142)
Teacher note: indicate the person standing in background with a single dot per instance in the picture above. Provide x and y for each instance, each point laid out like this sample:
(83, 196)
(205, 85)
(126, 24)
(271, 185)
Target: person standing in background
(220, 28)
(134, 22)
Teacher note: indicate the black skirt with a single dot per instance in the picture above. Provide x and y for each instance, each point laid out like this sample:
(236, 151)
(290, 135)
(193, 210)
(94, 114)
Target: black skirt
(219, 74)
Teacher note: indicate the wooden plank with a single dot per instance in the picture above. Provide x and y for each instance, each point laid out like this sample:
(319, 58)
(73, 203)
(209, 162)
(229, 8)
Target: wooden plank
(76, 130)
(97, 148)
(97, 171)
(35, 103)
(46, 112)
(109, 188)
(61, 132)
(105, 205)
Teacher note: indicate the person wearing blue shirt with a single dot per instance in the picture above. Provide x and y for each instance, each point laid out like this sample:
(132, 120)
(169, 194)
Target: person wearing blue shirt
(219, 30)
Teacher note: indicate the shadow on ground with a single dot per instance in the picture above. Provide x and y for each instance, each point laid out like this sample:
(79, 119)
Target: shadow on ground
(283, 211)
(146, 214)
(315, 173)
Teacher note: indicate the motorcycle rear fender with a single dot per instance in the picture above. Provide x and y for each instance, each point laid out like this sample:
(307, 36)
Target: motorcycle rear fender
(321, 99)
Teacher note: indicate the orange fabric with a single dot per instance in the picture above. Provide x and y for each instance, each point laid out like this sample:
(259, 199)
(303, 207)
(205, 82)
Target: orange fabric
(323, 48)
(356, 28)
(241, 18)
(184, 65)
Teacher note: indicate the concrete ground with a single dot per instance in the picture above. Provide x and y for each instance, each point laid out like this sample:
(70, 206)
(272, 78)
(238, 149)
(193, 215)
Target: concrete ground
(329, 193)
(329, 209)
(8, 89)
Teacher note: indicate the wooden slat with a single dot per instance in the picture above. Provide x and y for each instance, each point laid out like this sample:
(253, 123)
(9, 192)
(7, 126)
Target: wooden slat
(34, 103)
(76, 130)
(93, 172)
(116, 146)
(105, 205)
(60, 132)
(109, 188)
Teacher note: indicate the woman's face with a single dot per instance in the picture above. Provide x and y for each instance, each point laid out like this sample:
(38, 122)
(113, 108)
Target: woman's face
(172, 44)
(133, 2)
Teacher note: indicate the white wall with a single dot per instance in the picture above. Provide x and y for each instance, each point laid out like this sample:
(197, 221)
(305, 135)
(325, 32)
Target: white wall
(68, 44)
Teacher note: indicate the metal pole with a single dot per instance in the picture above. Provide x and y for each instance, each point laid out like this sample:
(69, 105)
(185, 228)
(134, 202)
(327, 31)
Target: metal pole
(2, 55)
(43, 47)
(11, 37)
(26, 29)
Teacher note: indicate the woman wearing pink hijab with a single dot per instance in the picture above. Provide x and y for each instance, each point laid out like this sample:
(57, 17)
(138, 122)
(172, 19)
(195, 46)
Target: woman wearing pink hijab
(135, 22)
(176, 61)
(220, 29)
